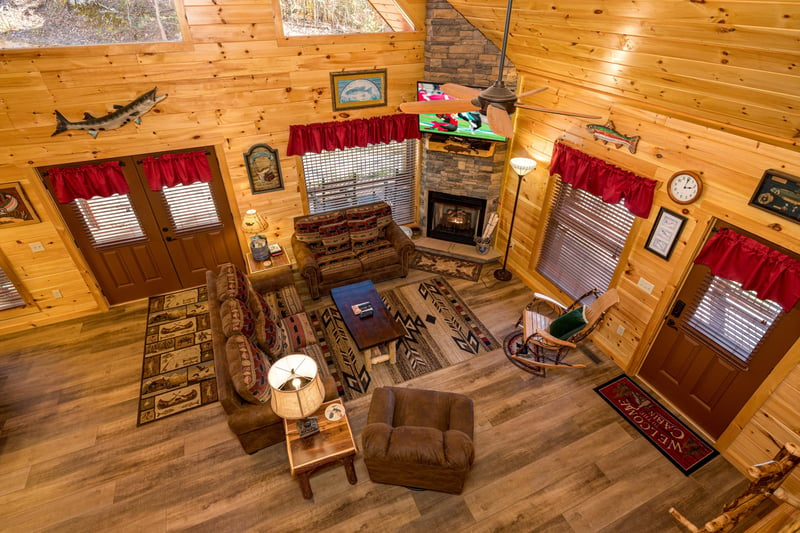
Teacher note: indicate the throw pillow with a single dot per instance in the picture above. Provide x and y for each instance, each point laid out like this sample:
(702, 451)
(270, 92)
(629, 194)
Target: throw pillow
(299, 331)
(232, 283)
(306, 229)
(237, 318)
(335, 238)
(363, 232)
(268, 333)
(568, 324)
(381, 211)
(248, 367)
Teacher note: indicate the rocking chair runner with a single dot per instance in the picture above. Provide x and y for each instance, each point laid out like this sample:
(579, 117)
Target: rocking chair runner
(550, 330)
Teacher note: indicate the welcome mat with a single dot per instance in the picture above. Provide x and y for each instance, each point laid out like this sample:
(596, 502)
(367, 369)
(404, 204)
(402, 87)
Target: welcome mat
(441, 331)
(449, 266)
(682, 446)
(178, 369)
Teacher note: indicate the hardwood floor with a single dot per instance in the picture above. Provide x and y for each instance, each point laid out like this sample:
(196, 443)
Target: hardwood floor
(551, 455)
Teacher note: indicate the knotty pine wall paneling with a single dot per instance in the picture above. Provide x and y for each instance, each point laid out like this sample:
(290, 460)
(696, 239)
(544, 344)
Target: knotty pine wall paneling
(731, 167)
(235, 81)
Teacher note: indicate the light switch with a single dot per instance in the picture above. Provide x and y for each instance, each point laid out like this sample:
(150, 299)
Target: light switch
(645, 285)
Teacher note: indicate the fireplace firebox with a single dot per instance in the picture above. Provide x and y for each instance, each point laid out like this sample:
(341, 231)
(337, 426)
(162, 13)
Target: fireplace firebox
(454, 218)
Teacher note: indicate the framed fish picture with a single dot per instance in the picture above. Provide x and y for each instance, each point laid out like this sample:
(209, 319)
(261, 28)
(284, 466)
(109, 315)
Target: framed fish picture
(263, 169)
(352, 90)
(778, 193)
(15, 208)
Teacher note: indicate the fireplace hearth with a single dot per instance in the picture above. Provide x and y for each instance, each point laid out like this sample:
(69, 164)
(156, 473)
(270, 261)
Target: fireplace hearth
(454, 218)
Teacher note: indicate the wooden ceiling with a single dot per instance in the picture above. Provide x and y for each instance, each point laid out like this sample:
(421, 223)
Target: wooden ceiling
(732, 65)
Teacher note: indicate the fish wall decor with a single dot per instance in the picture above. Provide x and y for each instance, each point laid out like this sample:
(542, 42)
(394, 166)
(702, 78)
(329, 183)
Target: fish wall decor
(608, 134)
(121, 115)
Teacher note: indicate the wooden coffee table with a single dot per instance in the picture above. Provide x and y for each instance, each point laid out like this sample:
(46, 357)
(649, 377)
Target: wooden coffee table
(333, 443)
(372, 332)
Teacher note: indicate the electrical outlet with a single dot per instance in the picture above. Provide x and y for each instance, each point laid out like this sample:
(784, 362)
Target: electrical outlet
(620, 330)
(645, 285)
(36, 247)
(57, 294)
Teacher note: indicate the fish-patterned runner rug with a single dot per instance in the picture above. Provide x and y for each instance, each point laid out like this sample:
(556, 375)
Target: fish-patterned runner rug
(178, 368)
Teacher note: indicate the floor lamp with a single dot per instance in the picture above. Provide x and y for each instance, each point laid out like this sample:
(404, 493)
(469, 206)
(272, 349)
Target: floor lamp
(522, 166)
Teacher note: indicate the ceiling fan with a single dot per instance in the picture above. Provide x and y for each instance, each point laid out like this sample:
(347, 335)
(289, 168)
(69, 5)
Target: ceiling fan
(496, 103)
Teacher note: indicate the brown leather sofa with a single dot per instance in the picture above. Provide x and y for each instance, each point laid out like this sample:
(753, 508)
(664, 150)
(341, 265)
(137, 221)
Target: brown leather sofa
(345, 246)
(419, 438)
(252, 420)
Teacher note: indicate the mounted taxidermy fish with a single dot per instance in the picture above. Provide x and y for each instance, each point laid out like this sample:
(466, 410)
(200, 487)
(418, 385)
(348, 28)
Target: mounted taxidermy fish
(608, 134)
(121, 115)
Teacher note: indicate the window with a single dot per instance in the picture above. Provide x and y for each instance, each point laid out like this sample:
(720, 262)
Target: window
(190, 207)
(54, 23)
(108, 221)
(10, 298)
(733, 318)
(355, 176)
(335, 17)
(583, 240)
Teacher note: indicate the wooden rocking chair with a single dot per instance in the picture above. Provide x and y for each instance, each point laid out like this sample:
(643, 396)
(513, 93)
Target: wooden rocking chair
(549, 330)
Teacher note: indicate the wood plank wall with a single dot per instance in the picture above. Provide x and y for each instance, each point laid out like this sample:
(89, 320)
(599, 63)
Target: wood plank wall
(731, 168)
(234, 82)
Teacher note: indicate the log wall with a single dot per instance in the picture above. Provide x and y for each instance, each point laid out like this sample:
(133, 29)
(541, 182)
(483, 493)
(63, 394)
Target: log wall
(234, 82)
(731, 168)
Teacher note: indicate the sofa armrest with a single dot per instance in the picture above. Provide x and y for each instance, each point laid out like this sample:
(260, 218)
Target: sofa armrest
(381, 408)
(402, 244)
(270, 280)
(462, 415)
(375, 440)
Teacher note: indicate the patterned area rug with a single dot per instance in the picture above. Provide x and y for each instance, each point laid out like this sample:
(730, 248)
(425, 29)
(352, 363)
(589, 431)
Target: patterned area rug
(178, 370)
(682, 446)
(449, 266)
(441, 331)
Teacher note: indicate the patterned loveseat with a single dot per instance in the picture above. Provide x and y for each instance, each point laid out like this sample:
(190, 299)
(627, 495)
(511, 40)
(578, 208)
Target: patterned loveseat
(349, 245)
(255, 320)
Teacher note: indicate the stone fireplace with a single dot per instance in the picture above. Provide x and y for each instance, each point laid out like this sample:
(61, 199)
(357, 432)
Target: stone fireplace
(455, 51)
(455, 218)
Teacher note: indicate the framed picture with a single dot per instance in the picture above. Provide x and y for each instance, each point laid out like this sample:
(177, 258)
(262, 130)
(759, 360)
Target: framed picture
(263, 169)
(778, 193)
(15, 208)
(351, 90)
(665, 233)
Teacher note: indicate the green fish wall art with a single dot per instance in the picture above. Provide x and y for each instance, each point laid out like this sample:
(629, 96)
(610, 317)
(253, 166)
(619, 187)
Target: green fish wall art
(608, 134)
(121, 115)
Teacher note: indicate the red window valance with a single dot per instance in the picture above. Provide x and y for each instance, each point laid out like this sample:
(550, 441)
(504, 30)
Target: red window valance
(183, 168)
(602, 179)
(87, 181)
(351, 133)
(772, 274)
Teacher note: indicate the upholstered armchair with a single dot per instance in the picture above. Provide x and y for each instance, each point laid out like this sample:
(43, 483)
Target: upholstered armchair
(419, 438)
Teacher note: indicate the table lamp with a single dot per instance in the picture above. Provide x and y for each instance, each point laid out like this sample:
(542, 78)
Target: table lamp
(253, 225)
(297, 391)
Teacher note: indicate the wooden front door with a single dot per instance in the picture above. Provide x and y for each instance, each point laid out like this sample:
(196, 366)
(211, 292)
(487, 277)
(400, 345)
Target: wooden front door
(717, 345)
(151, 242)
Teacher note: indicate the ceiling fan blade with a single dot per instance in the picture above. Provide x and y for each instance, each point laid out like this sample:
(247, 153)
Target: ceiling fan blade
(557, 112)
(436, 107)
(534, 91)
(500, 121)
(460, 91)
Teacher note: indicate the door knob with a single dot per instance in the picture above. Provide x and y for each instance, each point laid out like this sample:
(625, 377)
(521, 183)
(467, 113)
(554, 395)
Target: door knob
(169, 239)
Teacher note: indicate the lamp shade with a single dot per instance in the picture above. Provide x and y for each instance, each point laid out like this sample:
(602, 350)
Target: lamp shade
(253, 223)
(297, 390)
(522, 165)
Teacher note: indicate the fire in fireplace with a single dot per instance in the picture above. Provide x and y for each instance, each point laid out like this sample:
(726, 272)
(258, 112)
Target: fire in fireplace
(454, 218)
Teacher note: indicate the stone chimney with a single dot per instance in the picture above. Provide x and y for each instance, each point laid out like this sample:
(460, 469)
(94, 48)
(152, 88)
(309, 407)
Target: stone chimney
(455, 51)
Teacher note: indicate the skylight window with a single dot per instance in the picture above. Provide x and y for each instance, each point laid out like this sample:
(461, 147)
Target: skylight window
(51, 23)
(337, 17)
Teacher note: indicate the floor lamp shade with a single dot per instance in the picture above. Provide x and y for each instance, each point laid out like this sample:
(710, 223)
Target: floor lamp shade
(522, 165)
(297, 390)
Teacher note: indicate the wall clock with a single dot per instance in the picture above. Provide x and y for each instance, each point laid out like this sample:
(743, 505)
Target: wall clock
(684, 187)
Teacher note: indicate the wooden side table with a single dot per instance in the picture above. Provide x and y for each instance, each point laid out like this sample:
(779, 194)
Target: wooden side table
(332, 444)
(275, 261)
